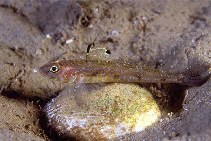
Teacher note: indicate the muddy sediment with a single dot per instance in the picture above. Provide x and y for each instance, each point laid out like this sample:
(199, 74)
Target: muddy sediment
(166, 35)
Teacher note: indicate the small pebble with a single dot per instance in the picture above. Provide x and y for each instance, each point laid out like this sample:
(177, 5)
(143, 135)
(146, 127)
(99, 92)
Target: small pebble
(34, 70)
(90, 26)
(144, 18)
(69, 41)
(114, 33)
(48, 36)
(39, 52)
(96, 10)
(102, 112)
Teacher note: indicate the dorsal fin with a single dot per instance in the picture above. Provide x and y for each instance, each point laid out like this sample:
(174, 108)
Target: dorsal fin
(90, 46)
(97, 51)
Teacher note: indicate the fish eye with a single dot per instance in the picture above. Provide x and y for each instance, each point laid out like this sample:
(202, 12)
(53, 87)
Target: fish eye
(54, 69)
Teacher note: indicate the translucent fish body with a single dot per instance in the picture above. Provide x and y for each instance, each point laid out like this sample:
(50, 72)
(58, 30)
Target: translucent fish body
(93, 71)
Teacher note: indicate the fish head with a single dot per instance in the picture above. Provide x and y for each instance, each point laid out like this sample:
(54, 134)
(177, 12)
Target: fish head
(58, 70)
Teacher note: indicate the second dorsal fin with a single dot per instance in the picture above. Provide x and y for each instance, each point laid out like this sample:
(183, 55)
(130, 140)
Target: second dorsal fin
(97, 51)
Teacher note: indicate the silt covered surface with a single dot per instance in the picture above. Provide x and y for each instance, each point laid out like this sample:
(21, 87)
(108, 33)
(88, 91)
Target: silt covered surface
(168, 35)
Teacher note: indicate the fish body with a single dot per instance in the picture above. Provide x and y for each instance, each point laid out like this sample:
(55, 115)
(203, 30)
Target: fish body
(94, 71)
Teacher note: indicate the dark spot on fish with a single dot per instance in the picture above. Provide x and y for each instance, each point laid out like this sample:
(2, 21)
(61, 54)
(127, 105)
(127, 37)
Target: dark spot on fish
(108, 51)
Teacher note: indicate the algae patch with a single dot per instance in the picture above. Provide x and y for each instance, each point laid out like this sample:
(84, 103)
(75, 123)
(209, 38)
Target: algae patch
(93, 112)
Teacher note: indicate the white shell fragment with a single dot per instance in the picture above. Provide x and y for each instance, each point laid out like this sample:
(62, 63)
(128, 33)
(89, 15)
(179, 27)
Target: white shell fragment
(69, 41)
(94, 112)
(48, 36)
(90, 26)
(34, 70)
(114, 33)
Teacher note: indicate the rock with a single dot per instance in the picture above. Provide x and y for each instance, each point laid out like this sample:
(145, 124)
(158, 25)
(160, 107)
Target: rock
(98, 112)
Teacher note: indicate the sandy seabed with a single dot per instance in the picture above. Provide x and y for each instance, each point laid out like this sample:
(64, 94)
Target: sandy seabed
(166, 35)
